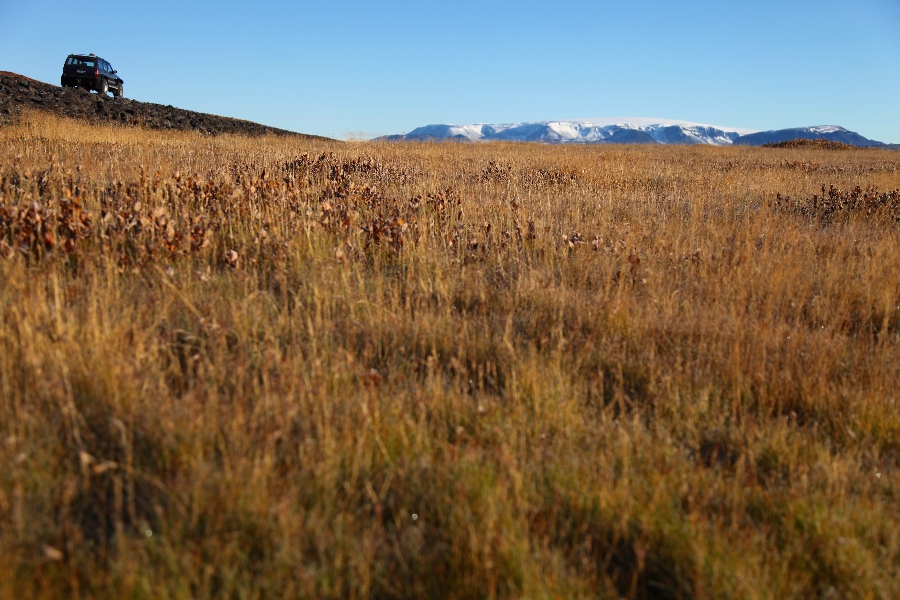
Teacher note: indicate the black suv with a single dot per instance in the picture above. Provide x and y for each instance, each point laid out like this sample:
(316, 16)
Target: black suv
(92, 73)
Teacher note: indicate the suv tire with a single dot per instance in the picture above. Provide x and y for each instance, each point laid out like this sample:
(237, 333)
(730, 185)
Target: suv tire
(119, 92)
(103, 87)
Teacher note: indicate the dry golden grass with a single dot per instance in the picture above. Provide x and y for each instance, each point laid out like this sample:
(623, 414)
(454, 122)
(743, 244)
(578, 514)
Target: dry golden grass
(260, 368)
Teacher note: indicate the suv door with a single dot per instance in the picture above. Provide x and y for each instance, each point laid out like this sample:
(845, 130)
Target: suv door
(112, 75)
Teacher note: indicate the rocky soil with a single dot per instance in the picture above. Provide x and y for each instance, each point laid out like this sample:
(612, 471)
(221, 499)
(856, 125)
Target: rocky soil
(18, 93)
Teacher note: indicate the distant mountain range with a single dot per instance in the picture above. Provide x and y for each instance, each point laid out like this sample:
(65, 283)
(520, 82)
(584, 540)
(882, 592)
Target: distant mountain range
(628, 130)
(832, 133)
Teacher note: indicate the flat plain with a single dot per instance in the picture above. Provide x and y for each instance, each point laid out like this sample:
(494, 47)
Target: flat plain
(281, 367)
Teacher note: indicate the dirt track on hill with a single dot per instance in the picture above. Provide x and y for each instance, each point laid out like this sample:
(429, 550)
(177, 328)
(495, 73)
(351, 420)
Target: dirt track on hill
(18, 93)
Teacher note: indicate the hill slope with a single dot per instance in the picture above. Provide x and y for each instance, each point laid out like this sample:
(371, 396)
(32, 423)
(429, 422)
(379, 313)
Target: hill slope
(18, 93)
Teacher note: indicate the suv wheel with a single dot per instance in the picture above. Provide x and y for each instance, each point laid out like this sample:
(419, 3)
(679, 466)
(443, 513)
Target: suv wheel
(103, 87)
(118, 92)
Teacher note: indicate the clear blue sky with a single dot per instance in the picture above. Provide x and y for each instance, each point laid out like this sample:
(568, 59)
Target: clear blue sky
(372, 68)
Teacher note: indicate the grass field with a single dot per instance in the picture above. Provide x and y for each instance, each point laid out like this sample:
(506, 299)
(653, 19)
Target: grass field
(265, 368)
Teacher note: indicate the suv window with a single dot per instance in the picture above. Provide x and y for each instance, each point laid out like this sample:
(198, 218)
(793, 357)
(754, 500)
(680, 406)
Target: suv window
(80, 61)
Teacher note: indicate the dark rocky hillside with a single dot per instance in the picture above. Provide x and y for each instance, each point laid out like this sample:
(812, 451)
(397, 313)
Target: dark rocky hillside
(18, 93)
(820, 143)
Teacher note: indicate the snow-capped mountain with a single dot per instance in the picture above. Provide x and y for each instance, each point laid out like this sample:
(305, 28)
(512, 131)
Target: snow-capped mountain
(625, 130)
(832, 133)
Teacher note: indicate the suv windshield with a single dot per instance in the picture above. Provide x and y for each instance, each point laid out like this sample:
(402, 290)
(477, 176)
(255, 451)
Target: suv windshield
(80, 61)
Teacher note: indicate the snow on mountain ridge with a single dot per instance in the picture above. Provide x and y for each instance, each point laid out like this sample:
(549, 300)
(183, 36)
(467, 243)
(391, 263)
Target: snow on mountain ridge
(629, 130)
(584, 131)
(646, 121)
(825, 129)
